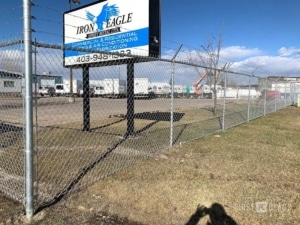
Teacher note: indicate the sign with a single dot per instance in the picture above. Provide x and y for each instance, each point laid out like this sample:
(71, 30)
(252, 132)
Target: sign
(127, 27)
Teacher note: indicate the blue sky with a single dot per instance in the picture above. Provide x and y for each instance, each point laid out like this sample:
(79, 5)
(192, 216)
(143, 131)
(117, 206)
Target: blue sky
(257, 35)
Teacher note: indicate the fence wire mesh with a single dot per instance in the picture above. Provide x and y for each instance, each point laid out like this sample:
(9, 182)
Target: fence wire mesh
(92, 122)
(11, 123)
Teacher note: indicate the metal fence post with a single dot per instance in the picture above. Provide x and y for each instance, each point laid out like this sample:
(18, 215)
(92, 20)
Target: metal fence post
(172, 98)
(285, 104)
(265, 97)
(224, 102)
(28, 110)
(275, 105)
(292, 93)
(248, 114)
(172, 105)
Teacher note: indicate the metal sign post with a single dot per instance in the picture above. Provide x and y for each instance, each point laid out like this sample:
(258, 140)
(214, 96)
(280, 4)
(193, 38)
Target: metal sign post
(86, 98)
(130, 99)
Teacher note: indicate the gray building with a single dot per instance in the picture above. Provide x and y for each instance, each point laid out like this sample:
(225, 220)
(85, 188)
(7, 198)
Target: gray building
(10, 82)
(13, 82)
(45, 80)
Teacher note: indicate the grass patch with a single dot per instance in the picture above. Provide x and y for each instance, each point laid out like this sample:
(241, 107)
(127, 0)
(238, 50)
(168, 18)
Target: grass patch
(254, 162)
(239, 168)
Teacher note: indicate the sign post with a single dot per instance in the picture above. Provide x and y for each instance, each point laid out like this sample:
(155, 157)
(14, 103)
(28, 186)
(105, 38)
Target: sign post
(130, 99)
(108, 33)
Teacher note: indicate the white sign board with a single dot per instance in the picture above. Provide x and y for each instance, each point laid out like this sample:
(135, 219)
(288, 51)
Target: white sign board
(112, 26)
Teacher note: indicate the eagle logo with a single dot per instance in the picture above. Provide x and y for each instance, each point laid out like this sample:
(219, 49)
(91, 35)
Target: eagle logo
(105, 14)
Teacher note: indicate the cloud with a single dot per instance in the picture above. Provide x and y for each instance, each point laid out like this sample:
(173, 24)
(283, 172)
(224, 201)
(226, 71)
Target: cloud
(288, 51)
(254, 61)
(269, 65)
(238, 52)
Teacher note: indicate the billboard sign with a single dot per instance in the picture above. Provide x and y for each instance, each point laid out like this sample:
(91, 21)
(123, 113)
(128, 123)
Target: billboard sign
(128, 27)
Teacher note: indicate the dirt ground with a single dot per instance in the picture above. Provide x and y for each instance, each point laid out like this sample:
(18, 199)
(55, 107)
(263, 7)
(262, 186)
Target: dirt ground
(249, 174)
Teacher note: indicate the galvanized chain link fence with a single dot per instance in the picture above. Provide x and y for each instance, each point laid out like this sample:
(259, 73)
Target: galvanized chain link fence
(102, 121)
(11, 121)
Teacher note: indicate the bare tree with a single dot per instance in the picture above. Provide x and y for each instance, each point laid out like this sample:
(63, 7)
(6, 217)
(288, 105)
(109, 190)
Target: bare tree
(210, 59)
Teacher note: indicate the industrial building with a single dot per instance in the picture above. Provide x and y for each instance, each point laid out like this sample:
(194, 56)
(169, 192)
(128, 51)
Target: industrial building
(13, 82)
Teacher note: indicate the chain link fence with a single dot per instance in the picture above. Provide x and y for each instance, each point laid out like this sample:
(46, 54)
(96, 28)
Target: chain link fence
(92, 122)
(11, 122)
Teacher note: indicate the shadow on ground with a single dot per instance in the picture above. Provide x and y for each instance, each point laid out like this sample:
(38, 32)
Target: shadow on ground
(214, 215)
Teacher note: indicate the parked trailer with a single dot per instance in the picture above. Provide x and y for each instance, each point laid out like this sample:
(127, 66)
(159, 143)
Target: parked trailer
(160, 89)
(64, 88)
(179, 91)
(114, 88)
(238, 93)
(203, 91)
(98, 86)
(244, 93)
(142, 88)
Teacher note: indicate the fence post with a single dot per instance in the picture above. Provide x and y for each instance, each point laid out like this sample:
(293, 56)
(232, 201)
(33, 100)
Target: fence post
(172, 106)
(28, 110)
(291, 98)
(86, 98)
(130, 99)
(224, 101)
(265, 97)
(292, 93)
(248, 114)
(172, 98)
(275, 105)
(285, 94)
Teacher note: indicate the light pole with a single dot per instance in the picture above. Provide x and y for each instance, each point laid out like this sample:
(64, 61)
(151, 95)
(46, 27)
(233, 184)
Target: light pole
(71, 98)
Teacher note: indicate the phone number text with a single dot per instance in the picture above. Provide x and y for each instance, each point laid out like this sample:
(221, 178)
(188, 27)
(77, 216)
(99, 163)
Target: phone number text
(97, 57)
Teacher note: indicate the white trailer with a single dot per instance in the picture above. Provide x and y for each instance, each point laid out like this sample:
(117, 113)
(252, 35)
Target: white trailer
(98, 86)
(179, 91)
(141, 88)
(160, 89)
(64, 88)
(244, 93)
(201, 91)
(238, 93)
(114, 88)
(228, 92)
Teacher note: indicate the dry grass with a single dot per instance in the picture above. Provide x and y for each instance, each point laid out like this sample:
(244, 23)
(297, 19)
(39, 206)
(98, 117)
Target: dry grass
(254, 162)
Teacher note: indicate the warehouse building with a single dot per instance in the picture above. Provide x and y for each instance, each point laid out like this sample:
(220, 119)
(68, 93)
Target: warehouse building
(13, 82)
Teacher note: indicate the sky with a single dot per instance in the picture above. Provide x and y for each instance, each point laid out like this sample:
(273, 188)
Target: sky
(259, 36)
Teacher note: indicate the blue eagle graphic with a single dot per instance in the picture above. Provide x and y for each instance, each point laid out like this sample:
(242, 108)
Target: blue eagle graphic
(105, 14)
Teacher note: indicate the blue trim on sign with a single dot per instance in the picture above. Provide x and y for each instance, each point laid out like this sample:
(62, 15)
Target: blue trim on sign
(112, 42)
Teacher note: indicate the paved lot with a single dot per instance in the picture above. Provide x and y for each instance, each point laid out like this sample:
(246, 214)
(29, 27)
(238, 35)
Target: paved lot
(58, 110)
